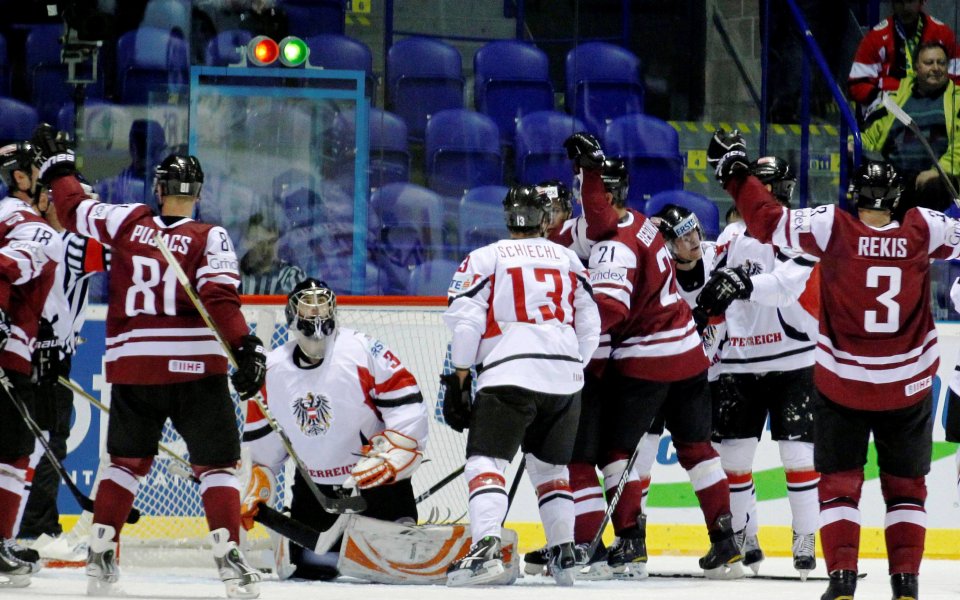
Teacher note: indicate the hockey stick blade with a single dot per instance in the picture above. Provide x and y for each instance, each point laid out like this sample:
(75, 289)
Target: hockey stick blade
(692, 575)
(440, 484)
(908, 122)
(82, 499)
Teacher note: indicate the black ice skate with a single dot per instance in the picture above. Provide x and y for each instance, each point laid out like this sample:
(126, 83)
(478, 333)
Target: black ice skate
(102, 571)
(905, 586)
(535, 562)
(240, 579)
(482, 564)
(592, 568)
(842, 585)
(804, 553)
(563, 564)
(27, 555)
(750, 549)
(14, 573)
(723, 560)
(627, 556)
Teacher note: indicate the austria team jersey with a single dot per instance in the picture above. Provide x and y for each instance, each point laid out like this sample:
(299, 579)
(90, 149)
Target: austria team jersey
(877, 346)
(775, 329)
(649, 332)
(331, 410)
(521, 310)
(154, 333)
(29, 252)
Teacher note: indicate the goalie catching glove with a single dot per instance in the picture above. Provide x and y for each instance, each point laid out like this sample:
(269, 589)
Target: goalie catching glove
(457, 400)
(54, 156)
(260, 490)
(389, 457)
(723, 287)
(727, 155)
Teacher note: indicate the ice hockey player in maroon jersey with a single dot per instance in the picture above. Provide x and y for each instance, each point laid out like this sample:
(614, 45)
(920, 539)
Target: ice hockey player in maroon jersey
(29, 252)
(162, 360)
(876, 353)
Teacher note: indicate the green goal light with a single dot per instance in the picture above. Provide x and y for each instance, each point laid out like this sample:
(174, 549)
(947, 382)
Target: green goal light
(293, 51)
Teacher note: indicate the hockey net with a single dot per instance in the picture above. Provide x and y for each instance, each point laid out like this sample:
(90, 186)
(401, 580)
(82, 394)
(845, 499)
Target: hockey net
(412, 328)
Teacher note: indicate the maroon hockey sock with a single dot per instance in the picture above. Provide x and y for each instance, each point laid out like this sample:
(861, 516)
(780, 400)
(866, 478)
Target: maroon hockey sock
(587, 502)
(702, 464)
(840, 518)
(628, 509)
(11, 493)
(222, 505)
(714, 502)
(112, 505)
(905, 524)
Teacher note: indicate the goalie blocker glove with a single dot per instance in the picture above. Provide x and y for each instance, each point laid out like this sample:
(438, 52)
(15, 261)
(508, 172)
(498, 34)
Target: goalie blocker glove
(585, 151)
(727, 155)
(390, 457)
(54, 156)
(457, 400)
(723, 287)
(260, 490)
(251, 367)
(46, 354)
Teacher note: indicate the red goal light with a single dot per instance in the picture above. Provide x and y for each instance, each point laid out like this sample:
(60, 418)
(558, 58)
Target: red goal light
(262, 51)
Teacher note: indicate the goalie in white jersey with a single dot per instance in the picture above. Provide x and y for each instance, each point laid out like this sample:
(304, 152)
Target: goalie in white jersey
(337, 394)
(522, 311)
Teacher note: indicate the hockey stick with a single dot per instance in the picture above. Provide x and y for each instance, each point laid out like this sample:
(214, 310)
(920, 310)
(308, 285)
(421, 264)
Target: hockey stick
(614, 500)
(443, 482)
(351, 504)
(82, 499)
(514, 486)
(910, 124)
(300, 533)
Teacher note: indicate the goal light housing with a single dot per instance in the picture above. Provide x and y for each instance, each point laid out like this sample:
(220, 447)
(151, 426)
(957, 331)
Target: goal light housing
(263, 51)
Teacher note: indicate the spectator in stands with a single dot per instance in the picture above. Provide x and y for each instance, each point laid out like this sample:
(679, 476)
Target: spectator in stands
(932, 100)
(887, 53)
(147, 145)
(261, 270)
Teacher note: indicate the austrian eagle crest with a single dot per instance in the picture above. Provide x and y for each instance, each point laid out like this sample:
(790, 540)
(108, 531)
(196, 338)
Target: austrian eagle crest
(312, 413)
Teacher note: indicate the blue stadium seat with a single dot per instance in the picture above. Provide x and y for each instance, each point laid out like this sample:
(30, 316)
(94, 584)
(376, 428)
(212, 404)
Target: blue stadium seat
(707, 212)
(47, 75)
(481, 217)
(410, 233)
(433, 277)
(424, 76)
(462, 151)
(227, 48)
(172, 15)
(389, 149)
(603, 82)
(335, 51)
(311, 17)
(511, 79)
(651, 148)
(149, 59)
(17, 120)
(539, 147)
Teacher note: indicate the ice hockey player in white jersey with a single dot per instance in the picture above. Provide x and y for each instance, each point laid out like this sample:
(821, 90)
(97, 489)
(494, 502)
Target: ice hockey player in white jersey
(521, 311)
(338, 394)
(766, 368)
(952, 425)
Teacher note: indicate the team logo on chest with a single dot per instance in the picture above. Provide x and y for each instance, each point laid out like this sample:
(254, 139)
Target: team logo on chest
(312, 413)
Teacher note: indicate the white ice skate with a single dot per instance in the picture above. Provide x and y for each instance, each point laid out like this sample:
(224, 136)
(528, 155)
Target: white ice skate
(102, 570)
(240, 579)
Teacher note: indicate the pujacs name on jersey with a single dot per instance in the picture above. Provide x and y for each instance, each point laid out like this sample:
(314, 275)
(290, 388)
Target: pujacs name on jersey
(877, 247)
(528, 250)
(145, 235)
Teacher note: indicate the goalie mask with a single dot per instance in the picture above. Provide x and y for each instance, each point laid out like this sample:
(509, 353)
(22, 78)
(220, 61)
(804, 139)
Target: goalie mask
(312, 316)
(178, 176)
(16, 157)
(616, 180)
(682, 232)
(775, 172)
(526, 209)
(875, 185)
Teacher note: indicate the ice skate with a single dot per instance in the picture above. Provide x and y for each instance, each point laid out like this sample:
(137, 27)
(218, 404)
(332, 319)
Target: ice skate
(723, 560)
(240, 579)
(14, 573)
(24, 554)
(905, 586)
(842, 585)
(102, 571)
(627, 556)
(592, 568)
(61, 551)
(563, 564)
(535, 562)
(482, 564)
(750, 549)
(804, 553)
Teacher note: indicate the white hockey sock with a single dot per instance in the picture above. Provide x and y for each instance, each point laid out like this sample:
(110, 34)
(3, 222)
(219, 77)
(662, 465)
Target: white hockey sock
(554, 499)
(649, 446)
(736, 455)
(802, 481)
(488, 495)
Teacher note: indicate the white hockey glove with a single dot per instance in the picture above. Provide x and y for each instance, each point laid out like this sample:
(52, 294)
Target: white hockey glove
(261, 488)
(390, 457)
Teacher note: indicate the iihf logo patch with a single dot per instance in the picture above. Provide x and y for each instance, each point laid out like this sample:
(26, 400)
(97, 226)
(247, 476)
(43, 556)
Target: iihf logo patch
(313, 414)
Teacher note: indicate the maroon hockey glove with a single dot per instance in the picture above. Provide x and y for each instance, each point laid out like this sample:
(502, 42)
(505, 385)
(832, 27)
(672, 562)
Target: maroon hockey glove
(54, 157)
(251, 367)
(724, 286)
(457, 400)
(585, 151)
(727, 155)
(46, 355)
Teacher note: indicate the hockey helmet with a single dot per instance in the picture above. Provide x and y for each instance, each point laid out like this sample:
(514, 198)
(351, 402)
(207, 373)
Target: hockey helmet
(311, 313)
(616, 180)
(676, 222)
(179, 175)
(559, 195)
(525, 208)
(875, 185)
(19, 156)
(775, 172)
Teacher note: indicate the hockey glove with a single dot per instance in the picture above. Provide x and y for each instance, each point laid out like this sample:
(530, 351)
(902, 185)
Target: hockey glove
(4, 328)
(700, 318)
(585, 151)
(251, 367)
(727, 155)
(46, 355)
(260, 490)
(54, 157)
(457, 400)
(389, 457)
(723, 287)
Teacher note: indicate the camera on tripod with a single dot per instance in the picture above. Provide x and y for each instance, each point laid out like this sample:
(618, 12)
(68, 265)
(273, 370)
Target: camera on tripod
(85, 28)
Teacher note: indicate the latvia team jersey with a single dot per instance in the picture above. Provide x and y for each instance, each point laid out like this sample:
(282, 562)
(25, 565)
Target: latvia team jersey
(776, 328)
(154, 333)
(598, 222)
(649, 332)
(29, 252)
(521, 310)
(329, 411)
(877, 346)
